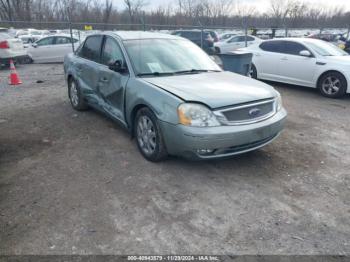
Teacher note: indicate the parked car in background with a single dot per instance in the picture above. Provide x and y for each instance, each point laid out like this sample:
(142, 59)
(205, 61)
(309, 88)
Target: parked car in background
(11, 48)
(52, 49)
(29, 39)
(235, 42)
(328, 37)
(171, 96)
(226, 36)
(198, 38)
(305, 62)
(214, 35)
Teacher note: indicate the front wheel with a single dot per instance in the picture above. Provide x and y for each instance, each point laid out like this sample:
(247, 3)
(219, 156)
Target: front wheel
(148, 136)
(333, 85)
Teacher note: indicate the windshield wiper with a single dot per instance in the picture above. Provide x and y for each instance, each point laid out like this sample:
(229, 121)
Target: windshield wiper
(195, 71)
(155, 74)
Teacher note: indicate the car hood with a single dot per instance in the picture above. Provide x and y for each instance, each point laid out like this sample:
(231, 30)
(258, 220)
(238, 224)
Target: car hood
(214, 89)
(339, 59)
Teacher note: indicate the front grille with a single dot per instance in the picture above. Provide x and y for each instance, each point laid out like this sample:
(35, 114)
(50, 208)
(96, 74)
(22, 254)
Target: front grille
(248, 113)
(244, 147)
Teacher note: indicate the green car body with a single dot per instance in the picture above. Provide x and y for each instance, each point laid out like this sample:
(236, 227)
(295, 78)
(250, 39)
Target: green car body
(201, 114)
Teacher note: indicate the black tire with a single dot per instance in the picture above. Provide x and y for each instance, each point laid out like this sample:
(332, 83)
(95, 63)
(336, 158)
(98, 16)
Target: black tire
(157, 151)
(79, 104)
(217, 50)
(253, 73)
(332, 85)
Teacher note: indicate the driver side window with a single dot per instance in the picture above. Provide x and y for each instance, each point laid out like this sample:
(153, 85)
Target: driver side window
(45, 41)
(111, 52)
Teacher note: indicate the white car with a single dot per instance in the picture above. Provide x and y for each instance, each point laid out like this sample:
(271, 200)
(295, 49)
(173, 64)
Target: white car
(235, 42)
(11, 48)
(29, 39)
(52, 49)
(305, 62)
(226, 36)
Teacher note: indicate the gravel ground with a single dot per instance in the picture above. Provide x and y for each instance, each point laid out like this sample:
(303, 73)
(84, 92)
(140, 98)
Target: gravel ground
(74, 183)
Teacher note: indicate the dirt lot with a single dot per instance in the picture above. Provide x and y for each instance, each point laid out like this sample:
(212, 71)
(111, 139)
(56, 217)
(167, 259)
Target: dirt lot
(74, 183)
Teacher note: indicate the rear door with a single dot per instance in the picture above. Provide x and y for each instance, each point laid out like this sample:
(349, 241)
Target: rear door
(87, 68)
(294, 68)
(267, 59)
(62, 47)
(111, 84)
(43, 52)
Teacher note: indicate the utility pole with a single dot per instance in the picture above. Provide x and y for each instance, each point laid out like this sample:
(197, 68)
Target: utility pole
(70, 29)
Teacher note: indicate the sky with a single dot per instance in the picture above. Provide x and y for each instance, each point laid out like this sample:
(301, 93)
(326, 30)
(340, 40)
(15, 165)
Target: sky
(262, 5)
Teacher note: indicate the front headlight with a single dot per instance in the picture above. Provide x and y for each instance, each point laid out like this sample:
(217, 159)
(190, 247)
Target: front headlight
(197, 115)
(279, 104)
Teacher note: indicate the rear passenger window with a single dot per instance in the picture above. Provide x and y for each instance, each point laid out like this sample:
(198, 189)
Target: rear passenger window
(62, 40)
(249, 38)
(272, 46)
(92, 48)
(293, 48)
(45, 41)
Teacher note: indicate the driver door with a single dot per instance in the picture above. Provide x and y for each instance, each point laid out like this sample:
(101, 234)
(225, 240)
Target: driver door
(111, 84)
(294, 68)
(43, 52)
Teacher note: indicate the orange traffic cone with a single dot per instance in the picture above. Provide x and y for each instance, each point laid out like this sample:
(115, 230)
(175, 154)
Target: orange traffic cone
(14, 78)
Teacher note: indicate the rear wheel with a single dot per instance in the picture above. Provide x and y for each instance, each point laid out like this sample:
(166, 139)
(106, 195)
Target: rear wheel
(332, 85)
(75, 96)
(253, 73)
(149, 137)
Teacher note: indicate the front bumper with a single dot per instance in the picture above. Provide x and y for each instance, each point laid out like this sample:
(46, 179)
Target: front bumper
(222, 141)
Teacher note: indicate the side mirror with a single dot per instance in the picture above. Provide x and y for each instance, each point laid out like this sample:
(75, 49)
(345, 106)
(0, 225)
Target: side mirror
(35, 45)
(117, 66)
(305, 53)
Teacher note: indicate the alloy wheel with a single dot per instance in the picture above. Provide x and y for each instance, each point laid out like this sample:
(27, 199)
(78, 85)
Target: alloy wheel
(331, 85)
(146, 135)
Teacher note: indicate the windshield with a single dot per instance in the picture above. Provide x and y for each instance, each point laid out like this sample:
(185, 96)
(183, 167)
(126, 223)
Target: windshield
(326, 49)
(167, 56)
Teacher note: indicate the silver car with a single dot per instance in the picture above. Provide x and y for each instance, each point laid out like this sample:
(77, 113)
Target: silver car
(171, 96)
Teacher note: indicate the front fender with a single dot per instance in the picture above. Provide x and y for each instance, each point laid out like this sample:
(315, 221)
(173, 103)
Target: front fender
(140, 93)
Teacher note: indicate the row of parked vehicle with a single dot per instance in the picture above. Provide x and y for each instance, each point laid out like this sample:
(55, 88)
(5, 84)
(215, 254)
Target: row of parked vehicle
(307, 61)
(39, 48)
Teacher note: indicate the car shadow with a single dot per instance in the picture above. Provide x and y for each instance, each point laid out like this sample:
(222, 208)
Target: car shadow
(301, 89)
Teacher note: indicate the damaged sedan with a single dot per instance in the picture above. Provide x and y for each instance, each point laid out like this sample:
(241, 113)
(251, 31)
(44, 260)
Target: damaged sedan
(171, 96)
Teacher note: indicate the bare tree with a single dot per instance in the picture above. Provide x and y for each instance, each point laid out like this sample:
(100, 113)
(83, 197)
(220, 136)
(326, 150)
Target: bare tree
(134, 7)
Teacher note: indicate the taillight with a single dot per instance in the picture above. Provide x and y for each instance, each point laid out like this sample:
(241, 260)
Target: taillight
(4, 45)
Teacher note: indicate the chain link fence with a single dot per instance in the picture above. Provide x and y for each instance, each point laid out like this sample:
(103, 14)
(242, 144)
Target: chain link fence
(81, 30)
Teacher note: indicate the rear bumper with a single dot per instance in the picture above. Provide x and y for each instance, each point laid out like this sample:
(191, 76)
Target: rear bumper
(223, 141)
(18, 58)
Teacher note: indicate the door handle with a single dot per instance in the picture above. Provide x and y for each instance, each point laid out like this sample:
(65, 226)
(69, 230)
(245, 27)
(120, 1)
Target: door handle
(284, 59)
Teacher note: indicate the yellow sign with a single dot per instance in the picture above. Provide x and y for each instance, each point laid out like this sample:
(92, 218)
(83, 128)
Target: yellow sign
(88, 27)
(342, 46)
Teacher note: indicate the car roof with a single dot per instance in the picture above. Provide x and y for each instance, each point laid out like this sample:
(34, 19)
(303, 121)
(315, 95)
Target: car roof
(136, 35)
(297, 39)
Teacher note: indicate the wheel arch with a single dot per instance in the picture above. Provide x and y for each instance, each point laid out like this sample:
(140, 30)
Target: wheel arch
(332, 71)
(133, 113)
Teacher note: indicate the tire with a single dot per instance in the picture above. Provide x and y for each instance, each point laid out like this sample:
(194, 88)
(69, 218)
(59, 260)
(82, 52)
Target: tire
(253, 73)
(149, 137)
(217, 50)
(75, 96)
(332, 85)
